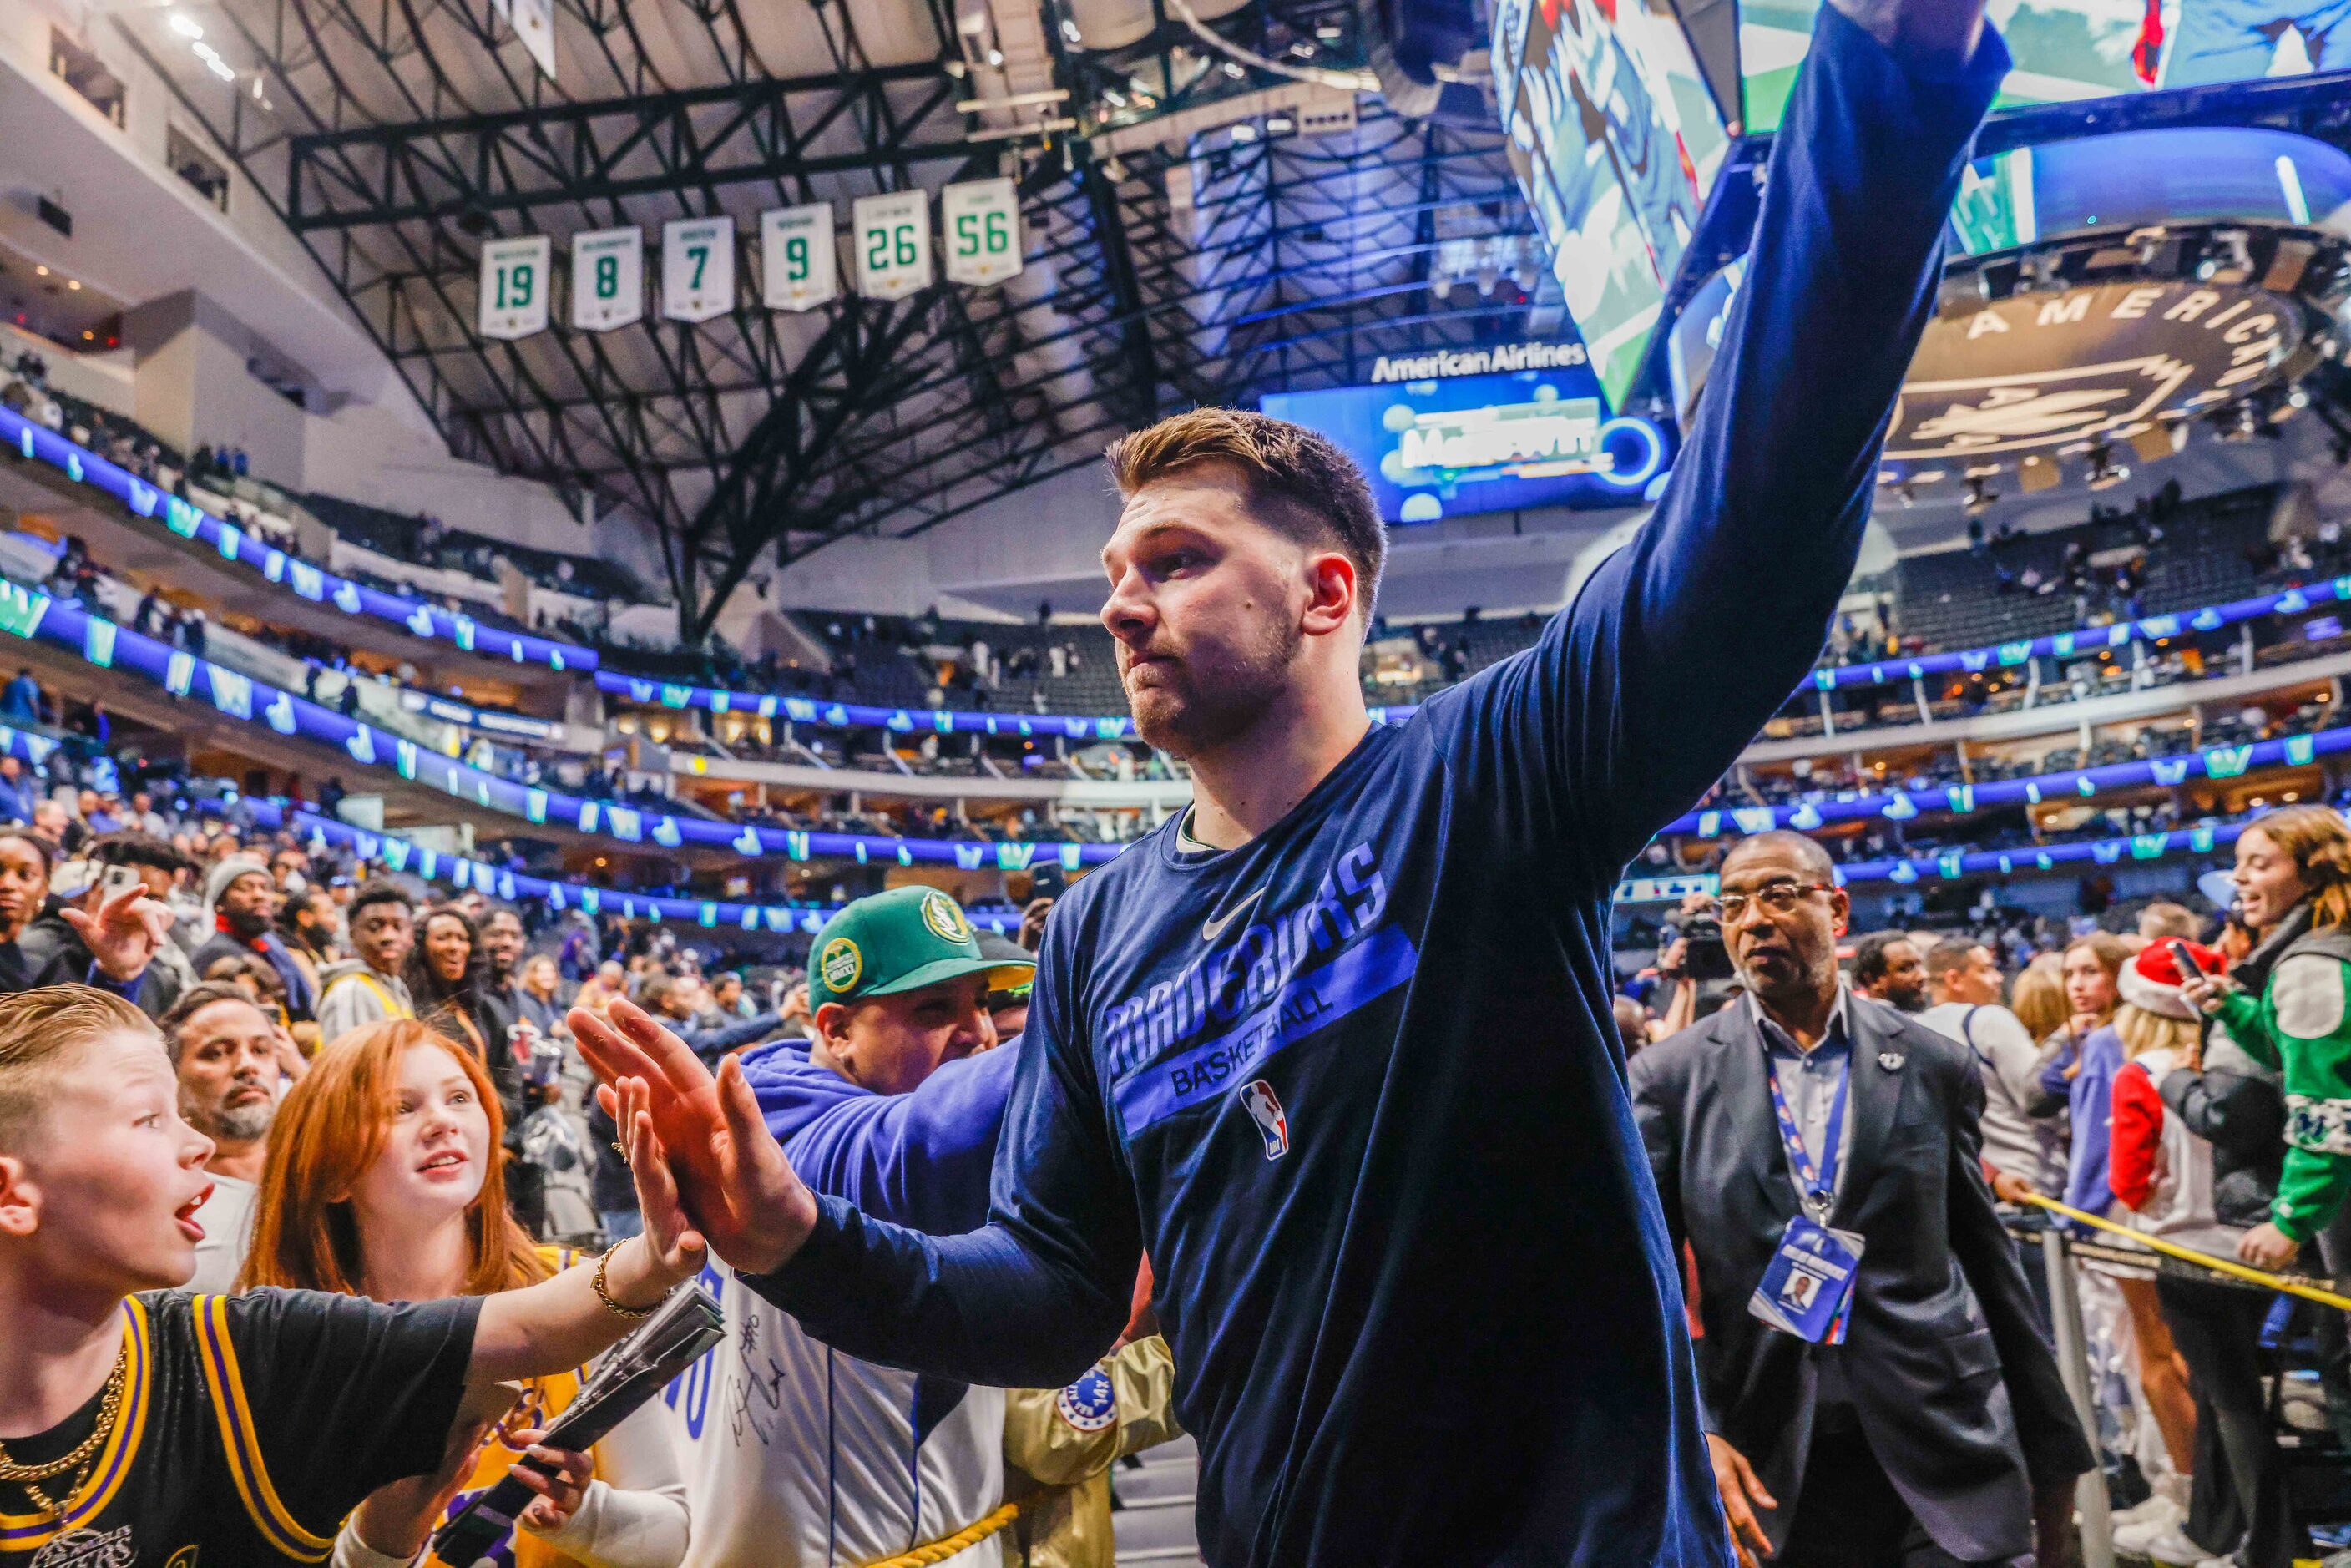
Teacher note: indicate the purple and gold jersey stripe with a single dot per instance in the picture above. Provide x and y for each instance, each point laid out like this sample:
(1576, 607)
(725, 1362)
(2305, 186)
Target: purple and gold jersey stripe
(30, 1532)
(242, 1444)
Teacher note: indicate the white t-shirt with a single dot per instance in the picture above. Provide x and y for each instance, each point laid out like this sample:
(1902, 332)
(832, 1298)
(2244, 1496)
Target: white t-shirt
(797, 1456)
(227, 1218)
(2008, 1060)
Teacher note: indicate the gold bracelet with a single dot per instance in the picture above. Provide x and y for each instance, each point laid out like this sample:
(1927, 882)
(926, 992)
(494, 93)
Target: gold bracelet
(605, 1292)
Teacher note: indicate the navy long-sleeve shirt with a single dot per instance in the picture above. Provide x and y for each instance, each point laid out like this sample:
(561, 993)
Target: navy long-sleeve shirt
(1356, 1083)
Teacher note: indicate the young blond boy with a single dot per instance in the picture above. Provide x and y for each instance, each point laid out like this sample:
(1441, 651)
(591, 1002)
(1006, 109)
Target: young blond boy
(142, 1425)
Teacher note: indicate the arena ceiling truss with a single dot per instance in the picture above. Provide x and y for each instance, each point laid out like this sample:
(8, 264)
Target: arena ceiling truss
(1170, 263)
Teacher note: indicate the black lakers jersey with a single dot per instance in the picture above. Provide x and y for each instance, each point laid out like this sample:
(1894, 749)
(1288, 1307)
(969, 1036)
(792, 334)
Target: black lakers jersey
(250, 1426)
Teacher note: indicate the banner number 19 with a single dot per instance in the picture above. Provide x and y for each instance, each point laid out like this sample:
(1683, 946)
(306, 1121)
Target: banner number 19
(515, 283)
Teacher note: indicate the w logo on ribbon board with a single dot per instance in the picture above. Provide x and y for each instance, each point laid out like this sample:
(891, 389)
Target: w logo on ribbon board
(232, 693)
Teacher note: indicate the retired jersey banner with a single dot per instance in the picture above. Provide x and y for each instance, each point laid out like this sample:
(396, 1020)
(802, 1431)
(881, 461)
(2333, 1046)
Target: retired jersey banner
(514, 286)
(697, 268)
(981, 223)
(608, 278)
(800, 268)
(894, 244)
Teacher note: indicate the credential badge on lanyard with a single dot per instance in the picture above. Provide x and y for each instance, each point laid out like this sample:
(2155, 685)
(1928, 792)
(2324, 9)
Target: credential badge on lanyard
(1807, 1287)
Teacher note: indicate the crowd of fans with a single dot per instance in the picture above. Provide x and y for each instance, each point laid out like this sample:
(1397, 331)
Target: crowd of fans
(396, 1109)
(2181, 1075)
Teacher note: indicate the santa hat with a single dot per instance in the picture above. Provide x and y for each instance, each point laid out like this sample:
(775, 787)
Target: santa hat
(2152, 980)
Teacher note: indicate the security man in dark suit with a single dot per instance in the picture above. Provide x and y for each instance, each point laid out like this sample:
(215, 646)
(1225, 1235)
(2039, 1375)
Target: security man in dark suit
(1879, 1391)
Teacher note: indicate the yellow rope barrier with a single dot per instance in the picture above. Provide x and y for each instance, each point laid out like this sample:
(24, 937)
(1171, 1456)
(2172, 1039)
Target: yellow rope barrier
(2228, 1266)
(970, 1535)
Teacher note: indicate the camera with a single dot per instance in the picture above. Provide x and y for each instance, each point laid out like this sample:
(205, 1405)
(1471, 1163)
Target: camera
(1705, 958)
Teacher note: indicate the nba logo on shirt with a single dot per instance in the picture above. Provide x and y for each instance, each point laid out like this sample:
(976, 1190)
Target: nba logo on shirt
(1258, 1099)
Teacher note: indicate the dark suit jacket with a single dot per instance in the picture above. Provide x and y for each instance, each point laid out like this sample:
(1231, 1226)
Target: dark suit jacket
(1956, 1388)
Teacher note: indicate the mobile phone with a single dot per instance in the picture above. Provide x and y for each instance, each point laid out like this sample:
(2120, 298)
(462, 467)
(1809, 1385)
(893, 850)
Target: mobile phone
(2185, 957)
(118, 881)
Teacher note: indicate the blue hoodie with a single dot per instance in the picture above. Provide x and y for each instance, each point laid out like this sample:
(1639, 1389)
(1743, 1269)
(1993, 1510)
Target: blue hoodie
(920, 1159)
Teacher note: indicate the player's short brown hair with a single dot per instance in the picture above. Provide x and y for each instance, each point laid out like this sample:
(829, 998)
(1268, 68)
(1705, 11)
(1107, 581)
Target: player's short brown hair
(1299, 484)
(41, 1032)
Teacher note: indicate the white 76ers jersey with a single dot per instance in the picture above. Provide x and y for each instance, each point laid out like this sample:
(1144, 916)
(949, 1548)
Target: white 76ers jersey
(800, 1457)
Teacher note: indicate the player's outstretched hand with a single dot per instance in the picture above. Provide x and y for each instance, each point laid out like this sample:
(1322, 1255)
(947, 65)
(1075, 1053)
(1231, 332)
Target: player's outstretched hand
(733, 1183)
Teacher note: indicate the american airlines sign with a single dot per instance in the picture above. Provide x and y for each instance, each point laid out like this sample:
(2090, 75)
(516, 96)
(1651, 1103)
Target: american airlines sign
(1445, 364)
(2040, 371)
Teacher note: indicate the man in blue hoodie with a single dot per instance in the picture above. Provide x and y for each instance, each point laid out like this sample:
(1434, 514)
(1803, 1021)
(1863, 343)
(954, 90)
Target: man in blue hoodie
(802, 1457)
(1336, 1045)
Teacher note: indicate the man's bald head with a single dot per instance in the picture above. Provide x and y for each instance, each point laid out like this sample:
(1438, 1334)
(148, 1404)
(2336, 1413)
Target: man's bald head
(1782, 843)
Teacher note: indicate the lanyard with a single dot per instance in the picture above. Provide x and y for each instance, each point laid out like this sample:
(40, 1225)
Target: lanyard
(1814, 1188)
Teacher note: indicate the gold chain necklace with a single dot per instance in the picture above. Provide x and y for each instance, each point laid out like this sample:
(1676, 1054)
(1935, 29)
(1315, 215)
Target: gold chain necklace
(109, 1410)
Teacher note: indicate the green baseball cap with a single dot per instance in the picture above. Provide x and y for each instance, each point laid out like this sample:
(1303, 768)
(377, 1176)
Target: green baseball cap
(902, 940)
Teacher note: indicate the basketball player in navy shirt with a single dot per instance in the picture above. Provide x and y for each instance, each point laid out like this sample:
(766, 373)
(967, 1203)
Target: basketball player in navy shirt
(1336, 1047)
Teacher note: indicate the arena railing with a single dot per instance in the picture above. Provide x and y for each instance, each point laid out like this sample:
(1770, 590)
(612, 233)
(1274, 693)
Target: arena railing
(390, 852)
(2086, 642)
(100, 642)
(106, 645)
(310, 581)
(2070, 785)
(318, 585)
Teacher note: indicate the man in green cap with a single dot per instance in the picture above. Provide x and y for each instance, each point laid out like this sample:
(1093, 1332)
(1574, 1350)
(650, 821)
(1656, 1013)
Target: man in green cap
(898, 985)
(895, 1106)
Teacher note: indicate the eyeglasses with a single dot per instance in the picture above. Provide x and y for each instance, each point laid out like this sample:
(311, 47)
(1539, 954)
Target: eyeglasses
(1776, 899)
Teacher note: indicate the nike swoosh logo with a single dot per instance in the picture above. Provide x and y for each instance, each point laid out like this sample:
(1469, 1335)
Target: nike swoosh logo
(1211, 930)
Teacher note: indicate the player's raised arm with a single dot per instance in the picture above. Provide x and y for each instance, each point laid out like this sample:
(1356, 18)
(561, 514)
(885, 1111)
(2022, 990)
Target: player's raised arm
(1682, 643)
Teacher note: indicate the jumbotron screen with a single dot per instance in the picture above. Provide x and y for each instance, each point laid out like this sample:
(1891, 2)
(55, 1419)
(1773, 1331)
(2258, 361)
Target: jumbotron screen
(1462, 438)
(1615, 141)
(2069, 49)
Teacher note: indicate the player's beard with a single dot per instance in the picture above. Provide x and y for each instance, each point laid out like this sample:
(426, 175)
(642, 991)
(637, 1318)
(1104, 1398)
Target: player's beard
(1212, 696)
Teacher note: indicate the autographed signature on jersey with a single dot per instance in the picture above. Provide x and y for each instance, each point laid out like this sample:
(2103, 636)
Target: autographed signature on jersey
(758, 1401)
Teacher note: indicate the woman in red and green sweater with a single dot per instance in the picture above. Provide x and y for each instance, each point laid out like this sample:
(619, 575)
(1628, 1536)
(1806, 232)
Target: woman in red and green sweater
(2286, 1006)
